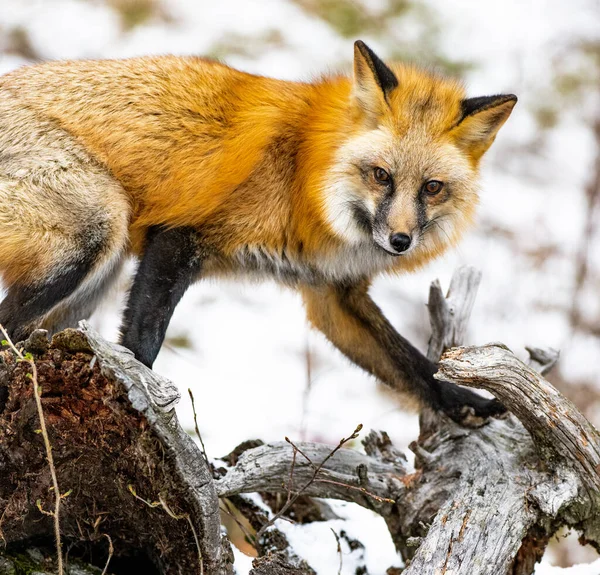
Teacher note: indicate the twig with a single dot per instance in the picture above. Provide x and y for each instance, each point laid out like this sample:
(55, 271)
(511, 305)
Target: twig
(357, 488)
(321, 480)
(583, 258)
(339, 550)
(197, 429)
(162, 503)
(308, 387)
(296, 448)
(111, 550)
(291, 500)
(291, 481)
(340, 483)
(38, 402)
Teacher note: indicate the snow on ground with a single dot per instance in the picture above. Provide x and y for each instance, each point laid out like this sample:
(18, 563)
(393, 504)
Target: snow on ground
(583, 569)
(246, 362)
(317, 542)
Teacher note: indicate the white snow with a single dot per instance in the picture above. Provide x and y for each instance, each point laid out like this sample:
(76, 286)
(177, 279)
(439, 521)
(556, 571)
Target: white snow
(582, 569)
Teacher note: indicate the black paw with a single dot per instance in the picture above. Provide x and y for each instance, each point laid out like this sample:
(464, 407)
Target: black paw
(467, 407)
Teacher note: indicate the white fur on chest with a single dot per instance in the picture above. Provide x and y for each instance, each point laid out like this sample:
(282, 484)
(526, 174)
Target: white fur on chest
(347, 263)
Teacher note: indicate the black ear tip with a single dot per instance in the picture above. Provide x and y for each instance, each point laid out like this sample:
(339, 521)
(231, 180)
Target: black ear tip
(360, 45)
(472, 106)
(383, 75)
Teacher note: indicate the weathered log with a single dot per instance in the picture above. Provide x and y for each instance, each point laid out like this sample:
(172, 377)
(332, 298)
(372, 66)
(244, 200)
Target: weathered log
(561, 433)
(348, 475)
(131, 472)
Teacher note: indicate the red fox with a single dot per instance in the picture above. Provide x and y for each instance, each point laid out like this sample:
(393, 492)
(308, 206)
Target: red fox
(201, 170)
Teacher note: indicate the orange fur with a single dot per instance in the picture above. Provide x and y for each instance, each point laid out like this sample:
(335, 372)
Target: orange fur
(185, 136)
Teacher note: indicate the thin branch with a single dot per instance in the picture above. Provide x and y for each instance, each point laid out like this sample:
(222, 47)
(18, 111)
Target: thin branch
(339, 550)
(292, 500)
(357, 488)
(308, 387)
(38, 402)
(291, 481)
(196, 427)
(296, 449)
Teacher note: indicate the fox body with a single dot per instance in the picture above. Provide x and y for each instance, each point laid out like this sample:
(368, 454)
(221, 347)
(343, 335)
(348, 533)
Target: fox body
(201, 170)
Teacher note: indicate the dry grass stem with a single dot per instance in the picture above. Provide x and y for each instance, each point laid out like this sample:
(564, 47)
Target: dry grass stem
(163, 503)
(38, 402)
(196, 427)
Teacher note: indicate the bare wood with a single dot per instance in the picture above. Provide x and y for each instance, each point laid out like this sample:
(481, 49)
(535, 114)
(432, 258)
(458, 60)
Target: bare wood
(542, 360)
(481, 501)
(348, 475)
(449, 315)
(155, 397)
(559, 430)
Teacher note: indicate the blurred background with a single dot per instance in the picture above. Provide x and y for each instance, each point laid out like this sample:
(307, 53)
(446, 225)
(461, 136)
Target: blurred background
(255, 368)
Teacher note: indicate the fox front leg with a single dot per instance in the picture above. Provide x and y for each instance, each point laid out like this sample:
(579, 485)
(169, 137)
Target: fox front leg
(171, 262)
(351, 320)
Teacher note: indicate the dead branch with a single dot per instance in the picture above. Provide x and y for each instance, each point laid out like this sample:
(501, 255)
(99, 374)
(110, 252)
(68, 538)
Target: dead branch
(449, 315)
(560, 432)
(347, 475)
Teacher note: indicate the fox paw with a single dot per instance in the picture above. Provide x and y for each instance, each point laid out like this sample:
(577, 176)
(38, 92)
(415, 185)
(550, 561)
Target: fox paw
(466, 407)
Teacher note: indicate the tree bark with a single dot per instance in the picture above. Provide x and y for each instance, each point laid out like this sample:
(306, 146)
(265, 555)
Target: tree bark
(131, 472)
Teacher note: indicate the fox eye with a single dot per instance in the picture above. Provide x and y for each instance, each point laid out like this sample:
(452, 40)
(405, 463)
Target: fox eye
(382, 176)
(433, 187)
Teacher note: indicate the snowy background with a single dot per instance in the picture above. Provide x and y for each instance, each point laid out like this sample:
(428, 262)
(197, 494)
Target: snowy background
(255, 368)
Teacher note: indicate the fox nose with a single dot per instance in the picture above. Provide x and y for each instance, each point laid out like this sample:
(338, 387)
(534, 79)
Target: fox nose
(400, 242)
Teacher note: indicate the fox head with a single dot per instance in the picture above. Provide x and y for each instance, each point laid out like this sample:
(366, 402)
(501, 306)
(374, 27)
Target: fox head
(405, 175)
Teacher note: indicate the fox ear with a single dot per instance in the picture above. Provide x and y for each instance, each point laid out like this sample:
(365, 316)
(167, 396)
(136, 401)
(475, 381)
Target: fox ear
(480, 120)
(373, 80)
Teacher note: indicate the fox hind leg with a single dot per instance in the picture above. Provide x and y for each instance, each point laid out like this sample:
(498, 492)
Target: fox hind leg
(61, 245)
(86, 297)
(63, 223)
